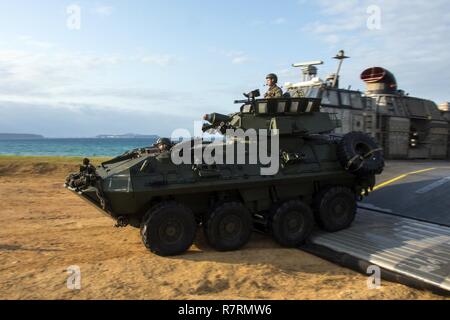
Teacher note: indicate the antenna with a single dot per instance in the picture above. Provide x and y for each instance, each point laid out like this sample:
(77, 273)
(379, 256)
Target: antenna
(306, 64)
(341, 57)
(308, 68)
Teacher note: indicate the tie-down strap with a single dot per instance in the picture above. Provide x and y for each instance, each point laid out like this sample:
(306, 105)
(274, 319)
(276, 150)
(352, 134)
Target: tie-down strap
(362, 158)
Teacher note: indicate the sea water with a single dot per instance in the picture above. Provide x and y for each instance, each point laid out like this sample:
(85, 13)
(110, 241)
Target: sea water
(84, 147)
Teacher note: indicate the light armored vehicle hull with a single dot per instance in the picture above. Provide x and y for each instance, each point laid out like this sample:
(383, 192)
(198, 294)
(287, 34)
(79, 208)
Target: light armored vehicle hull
(319, 179)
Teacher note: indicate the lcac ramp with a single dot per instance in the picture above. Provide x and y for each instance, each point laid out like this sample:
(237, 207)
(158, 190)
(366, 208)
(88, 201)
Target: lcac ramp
(411, 252)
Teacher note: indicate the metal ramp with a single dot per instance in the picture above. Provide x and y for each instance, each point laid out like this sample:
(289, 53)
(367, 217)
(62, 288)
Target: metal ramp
(412, 252)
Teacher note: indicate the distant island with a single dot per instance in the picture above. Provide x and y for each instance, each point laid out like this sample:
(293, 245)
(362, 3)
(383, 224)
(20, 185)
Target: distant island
(127, 136)
(27, 136)
(20, 136)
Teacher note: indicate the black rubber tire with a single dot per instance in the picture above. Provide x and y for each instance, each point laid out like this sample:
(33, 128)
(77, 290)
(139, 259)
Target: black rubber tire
(168, 229)
(291, 223)
(228, 227)
(360, 144)
(335, 208)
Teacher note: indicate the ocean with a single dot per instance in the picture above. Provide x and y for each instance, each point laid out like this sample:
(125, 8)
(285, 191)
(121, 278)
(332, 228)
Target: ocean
(84, 147)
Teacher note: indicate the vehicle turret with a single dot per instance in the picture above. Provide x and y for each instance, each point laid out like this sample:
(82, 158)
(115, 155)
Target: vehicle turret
(290, 116)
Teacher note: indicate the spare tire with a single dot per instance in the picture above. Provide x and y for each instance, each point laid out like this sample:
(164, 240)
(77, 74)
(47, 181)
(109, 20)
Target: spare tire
(360, 154)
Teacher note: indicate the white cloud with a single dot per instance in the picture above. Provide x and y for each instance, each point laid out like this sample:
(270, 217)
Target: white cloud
(60, 79)
(48, 78)
(268, 23)
(237, 57)
(85, 120)
(256, 23)
(162, 60)
(29, 41)
(279, 21)
(41, 69)
(103, 10)
(239, 60)
(57, 77)
(234, 56)
(332, 39)
(414, 41)
(332, 7)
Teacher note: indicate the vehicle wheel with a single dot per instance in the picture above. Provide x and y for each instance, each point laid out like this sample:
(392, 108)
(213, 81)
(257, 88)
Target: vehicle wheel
(168, 229)
(360, 154)
(291, 223)
(228, 227)
(335, 208)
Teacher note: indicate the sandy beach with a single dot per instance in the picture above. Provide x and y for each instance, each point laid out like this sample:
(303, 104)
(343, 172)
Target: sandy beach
(46, 229)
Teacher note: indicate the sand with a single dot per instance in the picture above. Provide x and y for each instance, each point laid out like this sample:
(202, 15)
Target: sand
(46, 229)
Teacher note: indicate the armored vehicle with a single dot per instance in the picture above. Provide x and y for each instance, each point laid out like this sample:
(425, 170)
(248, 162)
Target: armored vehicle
(405, 127)
(319, 179)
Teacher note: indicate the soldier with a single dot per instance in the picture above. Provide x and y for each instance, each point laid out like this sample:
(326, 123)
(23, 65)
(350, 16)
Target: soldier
(84, 178)
(87, 167)
(274, 90)
(164, 144)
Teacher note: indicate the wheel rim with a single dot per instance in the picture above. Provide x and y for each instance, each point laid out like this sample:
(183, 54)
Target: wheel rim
(340, 209)
(294, 223)
(362, 149)
(171, 231)
(230, 227)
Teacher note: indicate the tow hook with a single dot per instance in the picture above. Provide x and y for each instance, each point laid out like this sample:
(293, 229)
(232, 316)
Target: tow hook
(122, 222)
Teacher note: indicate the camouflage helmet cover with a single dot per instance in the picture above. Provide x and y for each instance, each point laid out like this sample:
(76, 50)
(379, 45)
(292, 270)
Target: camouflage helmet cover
(164, 141)
(272, 76)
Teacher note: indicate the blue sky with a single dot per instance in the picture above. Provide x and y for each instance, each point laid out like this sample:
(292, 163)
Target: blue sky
(153, 66)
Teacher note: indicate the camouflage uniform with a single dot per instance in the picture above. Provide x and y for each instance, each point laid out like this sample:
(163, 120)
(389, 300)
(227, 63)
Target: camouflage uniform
(297, 93)
(273, 92)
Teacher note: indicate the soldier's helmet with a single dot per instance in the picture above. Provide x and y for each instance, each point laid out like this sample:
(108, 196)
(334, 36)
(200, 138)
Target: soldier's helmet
(272, 76)
(164, 141)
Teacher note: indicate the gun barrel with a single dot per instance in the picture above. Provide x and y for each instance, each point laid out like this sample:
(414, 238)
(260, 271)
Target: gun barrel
(216, 118)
